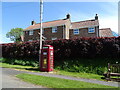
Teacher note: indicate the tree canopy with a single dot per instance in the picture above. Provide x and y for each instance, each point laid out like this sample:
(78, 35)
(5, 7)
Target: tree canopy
(15, 34)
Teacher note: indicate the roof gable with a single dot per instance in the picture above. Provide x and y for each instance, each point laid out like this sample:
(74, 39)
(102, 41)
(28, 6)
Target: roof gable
(84, 24)
(48, 24)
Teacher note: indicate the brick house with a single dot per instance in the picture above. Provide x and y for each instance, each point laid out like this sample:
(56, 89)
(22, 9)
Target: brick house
(63, 29)
(106, 32)
(57, 29)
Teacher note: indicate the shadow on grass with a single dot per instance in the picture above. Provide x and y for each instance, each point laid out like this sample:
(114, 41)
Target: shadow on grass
(32, 69)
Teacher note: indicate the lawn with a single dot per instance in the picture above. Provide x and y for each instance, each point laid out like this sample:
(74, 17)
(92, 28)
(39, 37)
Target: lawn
(28, 68)
(81, 74)
(56, 71)
(53, 82)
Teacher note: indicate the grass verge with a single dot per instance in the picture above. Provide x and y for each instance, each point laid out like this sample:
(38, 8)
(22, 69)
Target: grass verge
(79, 75)
(28, 68)
(53, 82)
(56, 71)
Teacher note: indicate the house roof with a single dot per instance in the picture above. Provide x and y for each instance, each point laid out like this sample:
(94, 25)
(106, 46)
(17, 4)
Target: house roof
(48, 24)
(84, 24)
(74, 25)
(105, 32)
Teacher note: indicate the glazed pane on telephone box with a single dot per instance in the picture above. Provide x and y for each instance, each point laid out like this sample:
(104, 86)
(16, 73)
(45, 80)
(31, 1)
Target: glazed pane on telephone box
(47, 57)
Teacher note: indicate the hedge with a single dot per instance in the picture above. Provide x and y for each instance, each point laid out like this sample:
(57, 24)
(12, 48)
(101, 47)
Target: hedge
(63, 48)
(89, 55)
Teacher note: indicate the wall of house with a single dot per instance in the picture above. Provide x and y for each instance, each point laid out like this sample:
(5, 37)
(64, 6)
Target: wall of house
(28, 37)
(84, 33)
(47, 33)
(68, 33)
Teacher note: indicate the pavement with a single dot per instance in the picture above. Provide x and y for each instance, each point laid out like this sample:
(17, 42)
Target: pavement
(10, 81)
(9, 76)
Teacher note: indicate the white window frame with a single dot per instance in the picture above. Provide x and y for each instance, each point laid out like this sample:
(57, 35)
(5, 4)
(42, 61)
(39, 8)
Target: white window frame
(54, 38)
(30, 40)
(76, 32)
(42, 31)
(90, 30)
(31, 32)
(54, 29)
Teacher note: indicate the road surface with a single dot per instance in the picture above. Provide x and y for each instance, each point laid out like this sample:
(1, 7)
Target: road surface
(10, 81)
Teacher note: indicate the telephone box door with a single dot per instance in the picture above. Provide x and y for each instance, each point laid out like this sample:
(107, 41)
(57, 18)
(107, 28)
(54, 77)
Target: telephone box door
(47, 58)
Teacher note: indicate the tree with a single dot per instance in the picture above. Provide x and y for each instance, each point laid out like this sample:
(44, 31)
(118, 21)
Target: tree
(15, 34)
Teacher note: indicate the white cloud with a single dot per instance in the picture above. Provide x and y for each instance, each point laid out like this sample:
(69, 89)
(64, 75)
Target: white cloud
(109, 22)
(3, 39)
(109, 19)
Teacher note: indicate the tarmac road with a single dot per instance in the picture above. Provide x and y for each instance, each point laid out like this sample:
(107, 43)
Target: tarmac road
(10, 81)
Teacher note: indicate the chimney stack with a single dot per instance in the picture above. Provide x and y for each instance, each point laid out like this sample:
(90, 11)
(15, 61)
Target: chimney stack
(33, 22)
(68, 16)
(96, 17)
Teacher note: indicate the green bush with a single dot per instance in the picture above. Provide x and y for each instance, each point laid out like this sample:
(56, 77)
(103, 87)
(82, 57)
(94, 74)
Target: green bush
(20, 62)
(34, 63)
(70, 65)
(85, 65)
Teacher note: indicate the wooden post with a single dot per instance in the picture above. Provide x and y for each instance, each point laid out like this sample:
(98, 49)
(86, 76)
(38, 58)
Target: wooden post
(108, 74)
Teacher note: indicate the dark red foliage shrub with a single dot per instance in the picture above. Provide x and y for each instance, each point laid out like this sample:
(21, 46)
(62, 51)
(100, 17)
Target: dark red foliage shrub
(72, 48)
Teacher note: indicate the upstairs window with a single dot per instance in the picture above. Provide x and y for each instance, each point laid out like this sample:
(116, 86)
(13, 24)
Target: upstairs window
(91, 30)
(54, 38)
(30, 40)
(30, 32)
(76, 31)
(54, 29)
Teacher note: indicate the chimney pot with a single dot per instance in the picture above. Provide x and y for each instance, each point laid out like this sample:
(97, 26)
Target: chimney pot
(33, 22)
(96, 17)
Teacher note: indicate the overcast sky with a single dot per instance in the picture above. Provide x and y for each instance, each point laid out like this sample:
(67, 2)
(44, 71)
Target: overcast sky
(20, 14)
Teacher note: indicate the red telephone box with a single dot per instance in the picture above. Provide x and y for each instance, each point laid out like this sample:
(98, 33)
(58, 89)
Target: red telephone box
(47, 56)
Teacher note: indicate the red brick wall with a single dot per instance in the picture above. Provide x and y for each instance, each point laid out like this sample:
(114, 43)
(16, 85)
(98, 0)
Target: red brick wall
(28, 37)
(47, 33)
(84, 33)
(59, 34)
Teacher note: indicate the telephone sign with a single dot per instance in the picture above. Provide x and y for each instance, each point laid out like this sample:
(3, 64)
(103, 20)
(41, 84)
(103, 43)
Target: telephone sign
(47, 55)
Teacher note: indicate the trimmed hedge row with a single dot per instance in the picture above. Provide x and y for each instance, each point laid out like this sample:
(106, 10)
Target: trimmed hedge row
(89, 55)
(72, 48)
